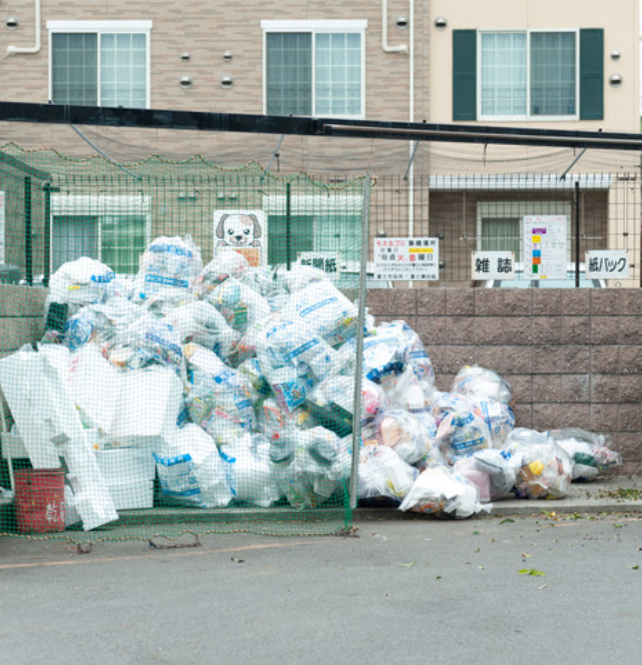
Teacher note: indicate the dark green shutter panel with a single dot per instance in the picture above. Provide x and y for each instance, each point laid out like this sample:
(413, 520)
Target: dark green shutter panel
(464, 75)
(592, 74)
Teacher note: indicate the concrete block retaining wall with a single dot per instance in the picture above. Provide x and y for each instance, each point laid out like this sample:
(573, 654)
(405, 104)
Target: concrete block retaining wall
(573, 357)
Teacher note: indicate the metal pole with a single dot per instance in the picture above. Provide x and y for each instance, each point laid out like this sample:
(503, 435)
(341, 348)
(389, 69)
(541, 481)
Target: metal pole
(275, 154)
(288, 220)
(28, 243)
(577, 234)
(356, 418)
(47, 224)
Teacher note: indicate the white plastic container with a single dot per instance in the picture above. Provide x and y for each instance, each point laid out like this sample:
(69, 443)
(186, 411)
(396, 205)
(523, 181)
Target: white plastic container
(126, 465)
(132, 495)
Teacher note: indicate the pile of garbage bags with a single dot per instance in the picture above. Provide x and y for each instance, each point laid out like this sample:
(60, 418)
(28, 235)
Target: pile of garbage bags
(462, 451)
(238, 381)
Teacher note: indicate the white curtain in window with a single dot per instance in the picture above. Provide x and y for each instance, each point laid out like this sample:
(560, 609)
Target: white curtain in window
(503, 73)
(338, 73)
(123, 70)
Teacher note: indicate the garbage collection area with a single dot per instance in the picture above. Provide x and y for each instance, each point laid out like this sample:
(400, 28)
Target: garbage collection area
(227, 385)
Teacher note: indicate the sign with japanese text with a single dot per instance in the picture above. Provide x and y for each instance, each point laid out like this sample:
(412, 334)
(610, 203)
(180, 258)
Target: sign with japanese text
(406, 259)
(607, 264)
(493, 265)
(328, 262)
(545, 246)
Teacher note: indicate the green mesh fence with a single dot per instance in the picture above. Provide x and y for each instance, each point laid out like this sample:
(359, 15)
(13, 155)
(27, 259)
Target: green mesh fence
(181, 348)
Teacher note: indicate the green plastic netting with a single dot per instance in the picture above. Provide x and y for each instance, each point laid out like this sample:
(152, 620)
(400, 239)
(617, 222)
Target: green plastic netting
(181, 348)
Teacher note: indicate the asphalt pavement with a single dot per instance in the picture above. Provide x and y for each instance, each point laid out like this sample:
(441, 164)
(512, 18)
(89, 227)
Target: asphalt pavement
(560, 584)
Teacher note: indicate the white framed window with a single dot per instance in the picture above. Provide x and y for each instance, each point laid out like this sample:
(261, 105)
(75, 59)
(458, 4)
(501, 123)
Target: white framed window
(528, 75)
(99, 63)
(112, 229)
(500, 224)
(314, 68)
(330, 225)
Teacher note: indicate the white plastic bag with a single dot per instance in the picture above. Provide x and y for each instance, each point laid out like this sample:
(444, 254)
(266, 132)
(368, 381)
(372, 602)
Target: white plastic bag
(482, 384)
(226, 263)
(191, 470)
(588, 452)
(81, 282)
(382, 473)
(324, 310)
(253, 478)
(492, 471)
(239, 304)
(203, 324)
(439, 491)
(311, 465)
(401, 431)
(168, 269)
(219, 396)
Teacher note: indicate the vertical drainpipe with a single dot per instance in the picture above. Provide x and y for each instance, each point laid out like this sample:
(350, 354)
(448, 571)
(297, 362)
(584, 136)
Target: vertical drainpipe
(13, 50)
(411, 118)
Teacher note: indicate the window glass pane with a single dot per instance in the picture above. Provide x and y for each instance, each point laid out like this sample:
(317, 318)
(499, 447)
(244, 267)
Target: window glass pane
(553, 73)
(289, 73)
(123, 70)
(74, 236)
(74, 69)
(503, 73)
(301, 237)
(340, 233)
(338, 74)
(123, 240)
(501, 234)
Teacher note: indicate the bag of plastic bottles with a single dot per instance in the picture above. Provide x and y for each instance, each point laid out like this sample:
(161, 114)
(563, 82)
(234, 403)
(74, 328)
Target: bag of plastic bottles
(239, 304)
(167, 269)
(311, 465)
(81, 282)
(191, 471)
(401, 431)
(588, 452)
(382, 473)
(203, 324)
(493, 472)
(461, 431)
(252, 475)
(226, 263)
(482, 384)
(219, 398)
(545, 471)
(325, 311)
(291, 343)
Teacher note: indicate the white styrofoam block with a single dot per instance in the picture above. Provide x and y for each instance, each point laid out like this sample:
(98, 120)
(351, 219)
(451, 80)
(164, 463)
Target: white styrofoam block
(130, 496)
(126, 465)
(12, 446)
(149, 404)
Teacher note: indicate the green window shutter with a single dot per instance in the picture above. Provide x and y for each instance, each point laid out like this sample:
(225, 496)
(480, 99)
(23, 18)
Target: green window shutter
(464, 75)
(592, 74)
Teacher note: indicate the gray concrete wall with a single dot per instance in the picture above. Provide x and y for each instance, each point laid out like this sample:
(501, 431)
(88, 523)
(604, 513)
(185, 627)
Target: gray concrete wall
(21, 316)
(21, 319)
(573, 357)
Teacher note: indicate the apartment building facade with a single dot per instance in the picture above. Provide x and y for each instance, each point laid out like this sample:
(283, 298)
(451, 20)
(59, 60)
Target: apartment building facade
(526, 63)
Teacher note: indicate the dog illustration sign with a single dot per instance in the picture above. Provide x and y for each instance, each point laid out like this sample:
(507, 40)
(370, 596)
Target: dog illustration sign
(242, 230)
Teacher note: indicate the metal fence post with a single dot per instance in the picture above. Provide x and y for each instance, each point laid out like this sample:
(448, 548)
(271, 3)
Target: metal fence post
(577, 235)
(356, 417)
(28, 247)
